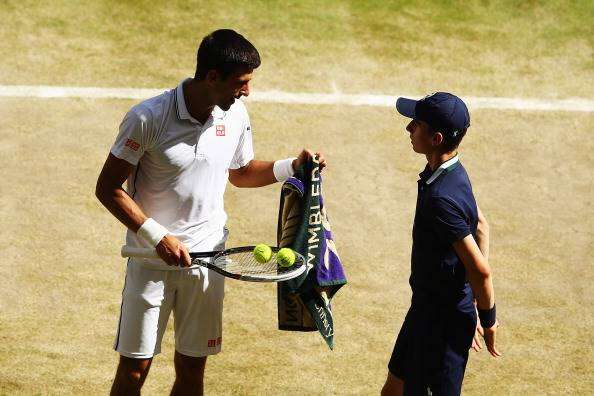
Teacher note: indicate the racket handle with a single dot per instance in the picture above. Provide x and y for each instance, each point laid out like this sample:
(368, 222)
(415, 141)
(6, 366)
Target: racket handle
(129, 251)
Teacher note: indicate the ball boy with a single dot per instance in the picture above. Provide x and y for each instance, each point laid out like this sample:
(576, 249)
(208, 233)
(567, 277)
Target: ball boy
(449, 267)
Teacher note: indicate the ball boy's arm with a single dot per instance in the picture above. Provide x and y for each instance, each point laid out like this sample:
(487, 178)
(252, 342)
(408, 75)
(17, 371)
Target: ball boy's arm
(479, 276)
(482, 234)
(477, 269)
(482, 240)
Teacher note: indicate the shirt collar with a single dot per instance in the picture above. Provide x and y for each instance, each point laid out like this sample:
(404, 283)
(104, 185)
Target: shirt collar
(182, 109)
(445, 167)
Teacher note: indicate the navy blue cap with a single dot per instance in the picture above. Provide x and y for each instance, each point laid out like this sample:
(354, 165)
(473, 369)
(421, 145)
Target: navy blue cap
(443, 111)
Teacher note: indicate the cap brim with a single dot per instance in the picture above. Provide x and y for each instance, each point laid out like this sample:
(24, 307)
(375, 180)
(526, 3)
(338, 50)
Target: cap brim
(406, 107)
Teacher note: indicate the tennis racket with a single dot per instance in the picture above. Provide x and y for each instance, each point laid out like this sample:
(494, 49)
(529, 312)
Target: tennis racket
(236, 263)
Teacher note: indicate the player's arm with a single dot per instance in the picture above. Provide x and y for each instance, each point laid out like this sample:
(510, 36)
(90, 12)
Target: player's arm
(111, 194)
(262, 173)
(255, 174)
(481, 281)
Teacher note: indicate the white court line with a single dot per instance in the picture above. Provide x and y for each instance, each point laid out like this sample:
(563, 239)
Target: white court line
(474, 102)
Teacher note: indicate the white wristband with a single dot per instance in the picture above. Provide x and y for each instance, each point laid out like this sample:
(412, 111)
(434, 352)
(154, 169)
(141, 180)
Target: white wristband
(283, 169)
(152, 232)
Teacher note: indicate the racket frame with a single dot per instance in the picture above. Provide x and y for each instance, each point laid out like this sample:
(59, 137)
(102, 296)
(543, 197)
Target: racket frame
(198, 258)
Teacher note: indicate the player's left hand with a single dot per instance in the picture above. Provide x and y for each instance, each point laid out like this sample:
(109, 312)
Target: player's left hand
(305, 155)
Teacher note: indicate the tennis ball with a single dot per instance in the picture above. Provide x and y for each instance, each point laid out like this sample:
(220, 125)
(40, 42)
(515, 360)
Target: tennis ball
(262, 253)
(285, 257)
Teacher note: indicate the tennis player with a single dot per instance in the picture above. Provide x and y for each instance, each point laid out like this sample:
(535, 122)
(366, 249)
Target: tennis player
(177, 151)
(449, 267)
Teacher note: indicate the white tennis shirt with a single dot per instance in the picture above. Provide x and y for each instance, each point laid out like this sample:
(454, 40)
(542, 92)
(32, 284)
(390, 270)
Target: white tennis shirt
(182, 166)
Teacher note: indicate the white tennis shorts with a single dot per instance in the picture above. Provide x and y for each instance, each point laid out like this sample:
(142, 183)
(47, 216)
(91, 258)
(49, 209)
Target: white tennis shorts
(194, 295)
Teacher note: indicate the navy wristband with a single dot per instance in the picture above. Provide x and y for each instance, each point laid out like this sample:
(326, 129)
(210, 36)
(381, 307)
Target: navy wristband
(487, 317)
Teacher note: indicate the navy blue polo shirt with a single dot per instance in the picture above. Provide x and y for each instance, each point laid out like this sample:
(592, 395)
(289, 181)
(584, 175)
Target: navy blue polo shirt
(446, 212)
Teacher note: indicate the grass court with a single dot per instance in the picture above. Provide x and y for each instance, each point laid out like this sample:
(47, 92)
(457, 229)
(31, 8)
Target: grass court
(60, 272)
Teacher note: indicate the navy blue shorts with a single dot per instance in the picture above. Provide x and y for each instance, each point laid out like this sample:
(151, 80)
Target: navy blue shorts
(431, 350)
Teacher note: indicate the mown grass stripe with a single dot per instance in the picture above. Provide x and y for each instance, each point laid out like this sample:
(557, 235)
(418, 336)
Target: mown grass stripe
(474, 102)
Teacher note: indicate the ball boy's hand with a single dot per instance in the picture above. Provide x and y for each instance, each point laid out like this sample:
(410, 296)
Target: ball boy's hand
(489, 336)
(476, 341)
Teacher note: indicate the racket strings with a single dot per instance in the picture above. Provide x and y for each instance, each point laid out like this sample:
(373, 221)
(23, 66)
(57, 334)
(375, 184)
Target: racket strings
(244, 263)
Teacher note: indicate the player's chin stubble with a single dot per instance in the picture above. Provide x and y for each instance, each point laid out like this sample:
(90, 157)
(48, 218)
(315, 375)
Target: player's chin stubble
(227, 105)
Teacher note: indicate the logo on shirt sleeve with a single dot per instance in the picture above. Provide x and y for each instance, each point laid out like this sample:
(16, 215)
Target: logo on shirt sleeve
(220, 130)
(132, 144)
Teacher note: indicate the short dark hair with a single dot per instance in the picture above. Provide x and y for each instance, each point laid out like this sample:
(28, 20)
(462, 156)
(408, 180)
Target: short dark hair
(225, 51)
(450, 141)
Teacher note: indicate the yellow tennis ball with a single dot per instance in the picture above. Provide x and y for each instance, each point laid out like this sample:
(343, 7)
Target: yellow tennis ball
(262, 253)
(285, 257)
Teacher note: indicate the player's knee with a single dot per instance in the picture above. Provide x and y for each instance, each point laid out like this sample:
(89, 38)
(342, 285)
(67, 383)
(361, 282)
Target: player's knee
(130, 379)
(131, 373)
(190, 368)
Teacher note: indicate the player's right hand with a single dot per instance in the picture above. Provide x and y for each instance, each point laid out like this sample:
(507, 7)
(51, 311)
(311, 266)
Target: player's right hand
(173, 251)
(489, 336)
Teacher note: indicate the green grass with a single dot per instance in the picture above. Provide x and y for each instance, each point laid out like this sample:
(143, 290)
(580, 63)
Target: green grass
(509, 48)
